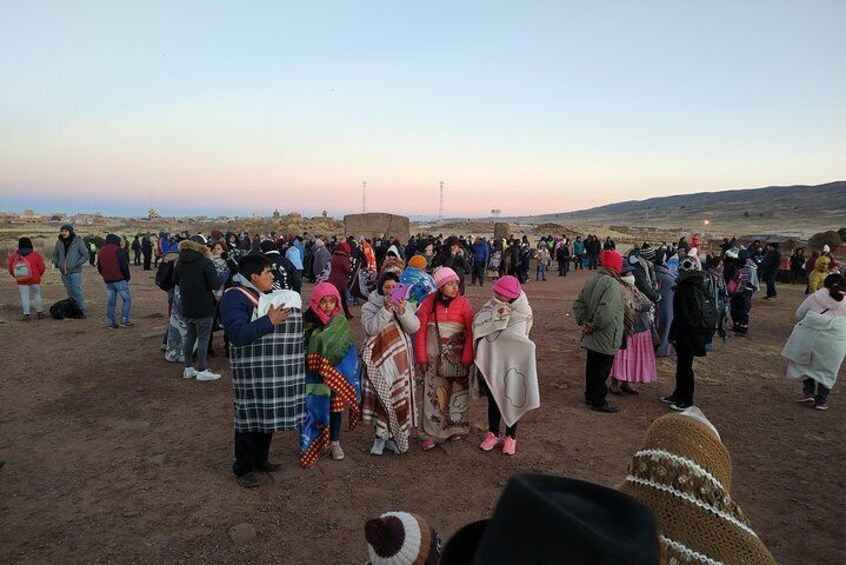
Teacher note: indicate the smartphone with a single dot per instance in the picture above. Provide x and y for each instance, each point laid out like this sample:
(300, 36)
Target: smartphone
(400, 292)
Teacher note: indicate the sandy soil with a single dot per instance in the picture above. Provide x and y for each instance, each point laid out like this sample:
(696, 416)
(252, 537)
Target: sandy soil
(112, 457)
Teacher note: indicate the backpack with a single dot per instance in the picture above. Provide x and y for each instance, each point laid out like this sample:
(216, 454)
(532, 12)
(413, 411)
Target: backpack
(22, 270)
(164, 276)
(705, 315)
(66, 309)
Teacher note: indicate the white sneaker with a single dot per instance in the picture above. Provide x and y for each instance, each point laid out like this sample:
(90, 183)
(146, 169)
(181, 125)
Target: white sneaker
(189, 373)
(378, 446)
(207, 376)
(337, 452)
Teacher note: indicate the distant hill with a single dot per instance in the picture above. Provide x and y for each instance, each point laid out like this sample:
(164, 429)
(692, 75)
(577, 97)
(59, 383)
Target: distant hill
(787, 210)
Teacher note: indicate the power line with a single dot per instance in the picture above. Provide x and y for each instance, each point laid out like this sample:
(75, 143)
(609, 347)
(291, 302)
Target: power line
(441, 203)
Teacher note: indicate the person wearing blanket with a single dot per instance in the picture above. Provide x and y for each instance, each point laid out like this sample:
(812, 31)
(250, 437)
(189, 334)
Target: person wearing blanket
(443, 347)
(332, 376)
(388, 357)
(505, 357)
(817, 345)
(265, 332)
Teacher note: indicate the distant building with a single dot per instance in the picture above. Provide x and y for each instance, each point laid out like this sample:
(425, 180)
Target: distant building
(153, 215)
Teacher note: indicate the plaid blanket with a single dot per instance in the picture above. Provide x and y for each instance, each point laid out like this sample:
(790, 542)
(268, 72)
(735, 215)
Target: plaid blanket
(388, 391)
(268, 378)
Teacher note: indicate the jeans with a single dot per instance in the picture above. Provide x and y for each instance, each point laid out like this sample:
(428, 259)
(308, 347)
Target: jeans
(596, 373)
(771, 288)
(684, 374)
(563, 267)
(73, 284)
(251, 451)
(822, 391)
(335, 426)
(579, 264)
(113, 289)
(199, 330)
(541, 272)
(33, 290)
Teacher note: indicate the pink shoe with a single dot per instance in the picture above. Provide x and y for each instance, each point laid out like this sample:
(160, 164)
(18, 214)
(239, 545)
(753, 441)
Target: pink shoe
(428, 444)
(490, 442)
(509, 447)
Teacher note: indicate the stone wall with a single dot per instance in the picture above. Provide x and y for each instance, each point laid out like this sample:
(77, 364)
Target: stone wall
(376, 223)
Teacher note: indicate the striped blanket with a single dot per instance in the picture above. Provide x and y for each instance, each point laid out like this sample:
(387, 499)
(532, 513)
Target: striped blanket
(388, 389)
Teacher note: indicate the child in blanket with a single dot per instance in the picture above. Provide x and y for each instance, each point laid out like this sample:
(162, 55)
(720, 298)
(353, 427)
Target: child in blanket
(332, 376)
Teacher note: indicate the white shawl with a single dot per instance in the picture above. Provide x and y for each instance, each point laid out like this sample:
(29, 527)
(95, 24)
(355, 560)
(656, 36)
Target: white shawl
(505, 356)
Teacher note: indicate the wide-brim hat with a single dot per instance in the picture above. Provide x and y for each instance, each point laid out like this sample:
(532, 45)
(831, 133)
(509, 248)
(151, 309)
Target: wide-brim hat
(548, 519)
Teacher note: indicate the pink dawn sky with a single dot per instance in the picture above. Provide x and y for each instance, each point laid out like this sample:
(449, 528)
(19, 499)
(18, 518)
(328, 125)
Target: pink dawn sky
(530, 108)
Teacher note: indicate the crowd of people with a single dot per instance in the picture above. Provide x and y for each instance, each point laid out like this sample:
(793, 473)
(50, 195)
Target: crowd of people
(295, 366)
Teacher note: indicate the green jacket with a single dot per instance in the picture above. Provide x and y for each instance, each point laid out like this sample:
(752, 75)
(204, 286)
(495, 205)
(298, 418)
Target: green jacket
(601, 303)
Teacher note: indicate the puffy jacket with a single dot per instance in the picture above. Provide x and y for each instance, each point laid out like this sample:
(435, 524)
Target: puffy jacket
(459, 311)
(481, 253)
(112, 262)
(682, 332)
(601, 303)
(36, 265)
(196, 276)
(74, 259)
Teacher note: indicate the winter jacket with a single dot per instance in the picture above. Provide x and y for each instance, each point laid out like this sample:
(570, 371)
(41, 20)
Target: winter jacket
(36, 265)
(196, 276)
(682, 330)
(322, 257)
(481, 253)
(644, 284)
(458, 311)
(341, 269)
(73, 259)
(236, 315)
(285, 274)
(579, 248)
(601, 303)
(375, 318)
(771, 264)
(818, 275)
(456, 262)
(112, 262)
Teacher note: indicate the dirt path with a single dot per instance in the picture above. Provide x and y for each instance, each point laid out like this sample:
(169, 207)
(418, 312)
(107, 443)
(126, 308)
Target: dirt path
(112, 457)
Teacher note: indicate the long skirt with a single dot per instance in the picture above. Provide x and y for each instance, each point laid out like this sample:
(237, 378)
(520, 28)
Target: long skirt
(636, 363)
(446, 400)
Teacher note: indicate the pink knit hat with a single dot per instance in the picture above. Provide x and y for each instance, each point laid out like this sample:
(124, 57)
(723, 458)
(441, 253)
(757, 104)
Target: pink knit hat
(444, 275)
(508, 286)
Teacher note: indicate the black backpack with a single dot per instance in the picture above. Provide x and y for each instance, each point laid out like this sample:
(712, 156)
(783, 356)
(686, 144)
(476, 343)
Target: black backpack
(704, 317)
(66, 309)
(164, 276)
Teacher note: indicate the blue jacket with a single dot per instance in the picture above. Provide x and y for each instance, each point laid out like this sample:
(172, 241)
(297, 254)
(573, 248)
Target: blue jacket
(481, 253)
(236, 313)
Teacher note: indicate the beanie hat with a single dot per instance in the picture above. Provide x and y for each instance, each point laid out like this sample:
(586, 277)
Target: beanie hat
(508, 286)
(418, 262)
(112, 238)
(216, 235)
(683, 473)
(826, 249)
(344, 247)
(24, 243)
(612, 260)
(199, 238)
(687, 264)
(444, 275)
(400, 538)
(422, 245)
(647, 252)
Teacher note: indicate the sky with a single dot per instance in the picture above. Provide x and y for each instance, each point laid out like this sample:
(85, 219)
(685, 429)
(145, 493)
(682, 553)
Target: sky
(528, 107)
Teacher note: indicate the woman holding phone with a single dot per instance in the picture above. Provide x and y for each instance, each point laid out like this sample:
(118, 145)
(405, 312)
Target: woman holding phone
(388, 387)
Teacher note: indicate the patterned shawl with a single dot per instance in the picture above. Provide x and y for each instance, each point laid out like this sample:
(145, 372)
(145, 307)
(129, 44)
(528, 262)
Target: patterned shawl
(332, 383)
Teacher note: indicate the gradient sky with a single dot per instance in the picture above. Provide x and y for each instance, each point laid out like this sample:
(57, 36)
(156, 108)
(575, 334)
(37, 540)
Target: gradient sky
(530, 107)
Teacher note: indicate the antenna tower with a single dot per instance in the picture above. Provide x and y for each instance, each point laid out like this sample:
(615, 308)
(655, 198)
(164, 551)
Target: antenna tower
(441, 203)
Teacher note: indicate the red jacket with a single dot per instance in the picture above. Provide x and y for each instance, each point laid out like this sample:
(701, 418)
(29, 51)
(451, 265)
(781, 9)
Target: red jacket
(459, 311)
(112, 263)
(36, 267)
(340, 271)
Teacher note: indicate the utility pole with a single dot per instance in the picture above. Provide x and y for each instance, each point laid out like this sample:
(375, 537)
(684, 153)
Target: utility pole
(441, 203)
(363, 197)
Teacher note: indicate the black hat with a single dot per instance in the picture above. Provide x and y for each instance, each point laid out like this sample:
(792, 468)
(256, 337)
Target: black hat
(24, 243)
(546, 519)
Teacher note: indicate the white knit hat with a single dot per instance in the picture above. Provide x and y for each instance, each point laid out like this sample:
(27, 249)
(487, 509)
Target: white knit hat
(400, 538)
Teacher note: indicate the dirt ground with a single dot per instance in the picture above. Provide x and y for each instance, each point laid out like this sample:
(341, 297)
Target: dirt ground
(112, 457)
